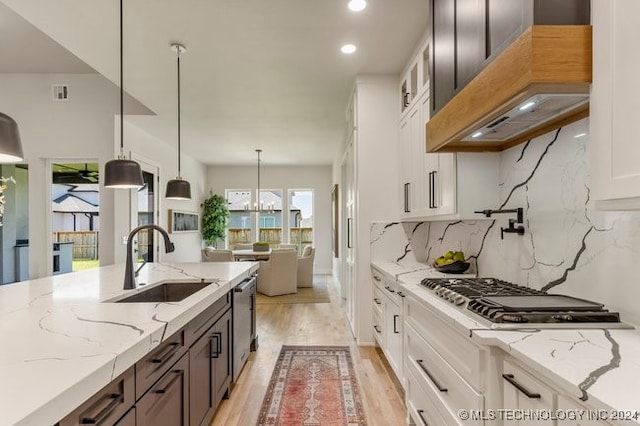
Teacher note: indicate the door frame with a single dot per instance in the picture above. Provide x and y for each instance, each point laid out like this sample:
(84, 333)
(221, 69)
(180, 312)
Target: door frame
(155, 168)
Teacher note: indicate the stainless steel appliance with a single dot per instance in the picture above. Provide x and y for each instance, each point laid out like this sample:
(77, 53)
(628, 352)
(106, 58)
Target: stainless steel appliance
(501, 304)
(244, 323)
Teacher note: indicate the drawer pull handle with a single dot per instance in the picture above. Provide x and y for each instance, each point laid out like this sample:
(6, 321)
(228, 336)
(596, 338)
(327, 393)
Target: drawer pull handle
(424, 421)
(435, 382)
(395, 324)
(116, 399)
(218, 344)
(171, 350)
(378, 302)
(377, 278)
(389, 289)
(401, 294)
(377, 329)
(176, 376)
(509, 378)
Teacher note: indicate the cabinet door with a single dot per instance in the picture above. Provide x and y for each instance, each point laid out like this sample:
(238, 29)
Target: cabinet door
(613, 147)
(524, 393)
(470, 39)
(443, 58)
(566, 405)
(393, 324)
(505, 22)
(405, 167)
(167, 402)
(222, 357)
(201, 401)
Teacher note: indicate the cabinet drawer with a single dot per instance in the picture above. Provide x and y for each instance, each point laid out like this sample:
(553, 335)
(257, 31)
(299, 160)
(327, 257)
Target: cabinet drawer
(106, 406)
(439, 376)
(461, 353)
(423, 407)
(167, 402)
(565, 405)
(378, 302)
(157, 362)
(378, 328)
(206, 319)
(522, 391)
(377, 277)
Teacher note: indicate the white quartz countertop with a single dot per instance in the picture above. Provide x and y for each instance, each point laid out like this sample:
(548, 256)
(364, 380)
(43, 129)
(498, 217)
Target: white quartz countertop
(600, 367)
(62, 342)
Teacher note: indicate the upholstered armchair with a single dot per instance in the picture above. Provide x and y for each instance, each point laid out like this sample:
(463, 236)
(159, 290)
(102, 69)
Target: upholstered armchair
(278, 275)
(209, 254)
(243, 246)
(305, 267)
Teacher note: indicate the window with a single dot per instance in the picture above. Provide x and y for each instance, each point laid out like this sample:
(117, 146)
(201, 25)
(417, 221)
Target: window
(270, 217)
(300, 217)
(240, 218)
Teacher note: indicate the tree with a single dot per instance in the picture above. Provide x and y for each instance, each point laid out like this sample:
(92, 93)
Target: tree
(215, 217)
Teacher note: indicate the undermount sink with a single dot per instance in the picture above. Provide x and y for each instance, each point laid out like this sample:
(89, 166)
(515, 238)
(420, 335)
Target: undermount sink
(165, 292)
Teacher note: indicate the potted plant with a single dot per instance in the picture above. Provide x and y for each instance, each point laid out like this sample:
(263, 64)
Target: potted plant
(261, 246)
(215, 217)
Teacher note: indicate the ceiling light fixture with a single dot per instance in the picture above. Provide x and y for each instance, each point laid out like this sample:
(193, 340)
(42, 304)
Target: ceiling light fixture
(476, 135)
(122, 173)
(259, 206)
(10, 145)
(579, 135)
(527, 106)
(178, 188)
(348, 49)
(357, 5)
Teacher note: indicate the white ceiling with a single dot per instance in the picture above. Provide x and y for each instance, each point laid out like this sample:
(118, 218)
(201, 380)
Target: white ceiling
(257, 73)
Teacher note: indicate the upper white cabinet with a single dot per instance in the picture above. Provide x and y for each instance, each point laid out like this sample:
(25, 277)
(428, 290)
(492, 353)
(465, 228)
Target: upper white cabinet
(437, 186)
(615, 111)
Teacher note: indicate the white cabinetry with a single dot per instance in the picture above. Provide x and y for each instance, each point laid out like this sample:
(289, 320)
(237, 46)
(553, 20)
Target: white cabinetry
(614, 107)
(439, 186)
(582, 414)
(444, 370)
(369, 177)
(525, 398)
(388, 326)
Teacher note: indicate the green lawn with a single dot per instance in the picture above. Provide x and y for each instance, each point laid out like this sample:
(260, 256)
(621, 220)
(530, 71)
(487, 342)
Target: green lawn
(79, 265)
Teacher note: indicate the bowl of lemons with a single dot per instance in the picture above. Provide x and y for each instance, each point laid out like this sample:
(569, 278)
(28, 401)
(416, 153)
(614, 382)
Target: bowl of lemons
(452, 262)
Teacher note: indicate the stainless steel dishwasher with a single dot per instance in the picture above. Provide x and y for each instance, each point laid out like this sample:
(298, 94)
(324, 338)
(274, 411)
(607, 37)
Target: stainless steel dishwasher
(244, 323)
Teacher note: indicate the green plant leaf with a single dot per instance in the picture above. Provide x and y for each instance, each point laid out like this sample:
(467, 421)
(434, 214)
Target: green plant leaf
(215, 218)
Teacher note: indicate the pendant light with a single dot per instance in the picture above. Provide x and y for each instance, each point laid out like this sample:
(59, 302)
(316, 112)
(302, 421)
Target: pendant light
(122, 173)
(259, 206)
(178, 188)
(10, 145)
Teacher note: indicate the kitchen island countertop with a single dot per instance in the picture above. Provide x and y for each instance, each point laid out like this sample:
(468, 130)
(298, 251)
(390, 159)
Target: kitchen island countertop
(62, 342)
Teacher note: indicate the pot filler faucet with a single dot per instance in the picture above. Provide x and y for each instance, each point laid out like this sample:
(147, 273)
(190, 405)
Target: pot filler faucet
(512, 229)
(129, 273)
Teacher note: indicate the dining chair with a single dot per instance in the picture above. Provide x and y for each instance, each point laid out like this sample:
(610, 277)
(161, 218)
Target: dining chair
(209, 254)
(278, 275)
(305, 267)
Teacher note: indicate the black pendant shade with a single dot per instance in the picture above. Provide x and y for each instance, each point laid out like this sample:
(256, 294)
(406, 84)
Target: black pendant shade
(10, 145)
(178, 188)
(122, 173)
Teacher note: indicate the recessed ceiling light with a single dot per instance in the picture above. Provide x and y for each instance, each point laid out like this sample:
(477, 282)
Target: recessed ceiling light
(357, 5)
(348, 49)
(579, 135)
(476, 135)
(527, 106)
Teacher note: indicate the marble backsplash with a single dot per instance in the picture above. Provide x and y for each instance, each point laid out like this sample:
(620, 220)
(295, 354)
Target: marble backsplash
(567, 248)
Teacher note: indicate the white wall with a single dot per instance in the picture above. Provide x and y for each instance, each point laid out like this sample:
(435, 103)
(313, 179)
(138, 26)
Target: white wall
(82, 128)
(318, 178)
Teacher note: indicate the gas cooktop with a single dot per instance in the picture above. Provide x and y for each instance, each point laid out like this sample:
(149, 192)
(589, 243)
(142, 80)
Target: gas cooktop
(505, 305)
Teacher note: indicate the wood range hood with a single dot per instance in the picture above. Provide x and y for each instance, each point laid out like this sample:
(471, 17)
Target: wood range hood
(537, 84)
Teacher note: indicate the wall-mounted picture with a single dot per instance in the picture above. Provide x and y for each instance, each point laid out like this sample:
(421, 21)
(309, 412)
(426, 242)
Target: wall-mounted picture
(181, 221)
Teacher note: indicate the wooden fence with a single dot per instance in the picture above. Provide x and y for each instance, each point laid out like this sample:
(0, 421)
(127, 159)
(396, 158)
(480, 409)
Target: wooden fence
(85, 243)
(298, 236)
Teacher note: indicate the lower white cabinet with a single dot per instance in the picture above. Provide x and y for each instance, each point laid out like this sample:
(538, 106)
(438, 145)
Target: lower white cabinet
(388, 320)
(527, 397)
(576, 414)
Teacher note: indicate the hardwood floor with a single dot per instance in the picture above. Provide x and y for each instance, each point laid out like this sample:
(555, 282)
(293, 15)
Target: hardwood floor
(311, 324)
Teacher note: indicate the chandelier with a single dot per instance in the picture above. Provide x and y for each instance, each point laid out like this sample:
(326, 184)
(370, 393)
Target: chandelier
(259, 206)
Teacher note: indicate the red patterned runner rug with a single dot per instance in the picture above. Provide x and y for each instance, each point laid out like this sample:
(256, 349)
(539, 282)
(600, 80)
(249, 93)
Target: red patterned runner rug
(312, 385)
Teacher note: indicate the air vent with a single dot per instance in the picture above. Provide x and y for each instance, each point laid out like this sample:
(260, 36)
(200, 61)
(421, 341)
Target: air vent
(60, 92)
